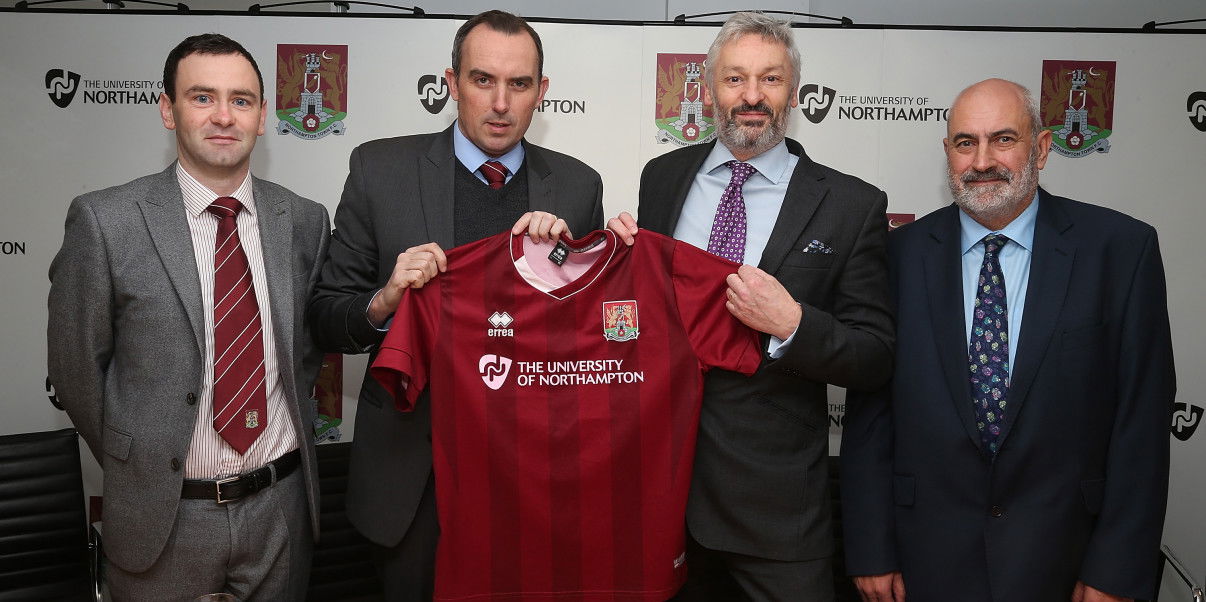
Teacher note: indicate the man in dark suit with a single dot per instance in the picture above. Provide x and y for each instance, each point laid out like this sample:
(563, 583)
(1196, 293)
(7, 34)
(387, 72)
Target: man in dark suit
(1021, 451)
(758, 514)
(176, 344)
(405, 200)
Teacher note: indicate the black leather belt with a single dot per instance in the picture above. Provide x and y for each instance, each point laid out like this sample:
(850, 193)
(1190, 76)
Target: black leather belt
(233, 488)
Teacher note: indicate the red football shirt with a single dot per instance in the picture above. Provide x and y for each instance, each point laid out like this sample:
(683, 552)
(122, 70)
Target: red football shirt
(564, 407)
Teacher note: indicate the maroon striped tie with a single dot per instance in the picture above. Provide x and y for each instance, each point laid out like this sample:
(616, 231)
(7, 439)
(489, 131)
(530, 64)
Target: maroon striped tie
(240, 404)
(495, 172)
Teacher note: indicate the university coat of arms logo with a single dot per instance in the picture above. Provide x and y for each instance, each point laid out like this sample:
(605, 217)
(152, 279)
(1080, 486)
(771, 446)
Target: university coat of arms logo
(679, 112)
(620, 320)
(1077, 105)
(311, 89)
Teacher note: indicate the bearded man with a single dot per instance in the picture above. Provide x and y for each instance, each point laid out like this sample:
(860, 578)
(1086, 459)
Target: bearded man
(1020, 452)
(758, 514)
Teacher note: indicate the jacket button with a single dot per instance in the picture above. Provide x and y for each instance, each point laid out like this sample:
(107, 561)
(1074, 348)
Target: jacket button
(191, 399)
(997, 512)
(175, 464)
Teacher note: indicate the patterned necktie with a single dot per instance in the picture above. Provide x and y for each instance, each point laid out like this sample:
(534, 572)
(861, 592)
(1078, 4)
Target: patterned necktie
(728, 227)
(988, 349)
(240, 404)
(495, 172)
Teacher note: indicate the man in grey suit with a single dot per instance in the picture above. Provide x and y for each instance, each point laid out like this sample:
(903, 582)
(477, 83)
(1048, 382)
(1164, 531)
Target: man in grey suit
(177, 346)
(758, 515)
(405, 200)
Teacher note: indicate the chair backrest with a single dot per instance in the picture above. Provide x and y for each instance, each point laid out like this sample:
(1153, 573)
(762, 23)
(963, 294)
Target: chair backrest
(43, 528)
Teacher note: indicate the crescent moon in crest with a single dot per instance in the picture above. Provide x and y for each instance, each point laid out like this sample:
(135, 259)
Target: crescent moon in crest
(1091, 71)
(325, 57)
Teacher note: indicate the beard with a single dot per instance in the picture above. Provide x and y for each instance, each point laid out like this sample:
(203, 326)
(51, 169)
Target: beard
(996, 202)
(747, 139)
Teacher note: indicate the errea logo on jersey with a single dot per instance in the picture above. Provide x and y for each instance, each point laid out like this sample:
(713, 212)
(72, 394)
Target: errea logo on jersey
(494, 370)
(501, 321)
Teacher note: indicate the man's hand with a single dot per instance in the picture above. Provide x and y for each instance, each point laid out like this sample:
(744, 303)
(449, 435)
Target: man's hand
(541, 226)
(625, 227)
(888, 587)
(413, 269)
(1087, 593)
(760, 302)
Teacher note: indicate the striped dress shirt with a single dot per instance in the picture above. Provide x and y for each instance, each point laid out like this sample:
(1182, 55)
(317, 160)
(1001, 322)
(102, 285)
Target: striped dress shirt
(209, 456)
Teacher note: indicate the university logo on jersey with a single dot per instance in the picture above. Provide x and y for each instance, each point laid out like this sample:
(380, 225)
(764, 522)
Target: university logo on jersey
(620, 320)
(311, 89)
(494, 370)
(679, 112)
(1077, 105)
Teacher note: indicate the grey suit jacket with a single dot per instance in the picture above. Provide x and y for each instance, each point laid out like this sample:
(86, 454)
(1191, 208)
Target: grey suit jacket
(125, 342)
(760, 486)
(399, 194)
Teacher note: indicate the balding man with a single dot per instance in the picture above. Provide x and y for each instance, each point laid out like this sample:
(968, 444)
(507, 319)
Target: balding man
(1021, 451)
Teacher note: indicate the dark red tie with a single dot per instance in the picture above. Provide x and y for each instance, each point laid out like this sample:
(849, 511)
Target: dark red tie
(495, 172)
(240, 405)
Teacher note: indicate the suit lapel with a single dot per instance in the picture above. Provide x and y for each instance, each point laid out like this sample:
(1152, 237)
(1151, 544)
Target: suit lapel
(1050, 269)
(666, 201)
(276, 244)
(805, 191)
(944, 286)
(540, 180)
(163, 212)
(436, 174)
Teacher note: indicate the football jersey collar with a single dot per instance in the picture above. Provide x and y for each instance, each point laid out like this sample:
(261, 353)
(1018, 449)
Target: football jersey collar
(524, 267)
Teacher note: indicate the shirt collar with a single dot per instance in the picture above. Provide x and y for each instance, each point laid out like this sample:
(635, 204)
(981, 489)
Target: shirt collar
(197, 196)
(1020, 230)
(772, 164)
(472, 157)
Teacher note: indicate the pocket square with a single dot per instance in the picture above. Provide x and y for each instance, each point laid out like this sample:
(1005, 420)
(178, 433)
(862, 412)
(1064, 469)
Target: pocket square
(817, 246)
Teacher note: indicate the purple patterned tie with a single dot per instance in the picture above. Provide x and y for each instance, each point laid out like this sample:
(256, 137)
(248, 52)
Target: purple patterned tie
(988, 349)
(728, 227)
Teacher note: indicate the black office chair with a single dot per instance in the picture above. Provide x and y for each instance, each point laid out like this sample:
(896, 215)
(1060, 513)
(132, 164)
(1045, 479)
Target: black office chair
(45, 549)
(342, 567)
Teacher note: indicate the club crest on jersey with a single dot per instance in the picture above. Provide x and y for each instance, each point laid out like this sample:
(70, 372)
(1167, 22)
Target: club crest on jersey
(252, 419)
(620, 320)
(494, 370)
(500, 322)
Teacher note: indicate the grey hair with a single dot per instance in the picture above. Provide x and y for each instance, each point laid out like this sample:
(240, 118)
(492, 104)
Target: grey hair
(760, 24)
(1032, 110)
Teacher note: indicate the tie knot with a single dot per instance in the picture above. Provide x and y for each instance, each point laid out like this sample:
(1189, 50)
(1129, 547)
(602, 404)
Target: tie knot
(225, 206)
(495, 173)
(994, 242)
(741, 171)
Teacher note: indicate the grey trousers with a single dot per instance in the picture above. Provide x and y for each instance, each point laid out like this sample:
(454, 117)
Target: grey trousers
(257, 548)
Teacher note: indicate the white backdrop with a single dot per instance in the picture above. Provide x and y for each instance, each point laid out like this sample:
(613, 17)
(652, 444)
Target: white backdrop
(608, 75)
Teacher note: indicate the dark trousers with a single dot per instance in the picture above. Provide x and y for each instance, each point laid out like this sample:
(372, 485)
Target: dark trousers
(407, 570)
(719, 576)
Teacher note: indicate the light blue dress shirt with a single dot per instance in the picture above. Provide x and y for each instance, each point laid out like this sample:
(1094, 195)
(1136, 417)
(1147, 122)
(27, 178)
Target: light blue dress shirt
(1015, 265)
(763, 193)
(472, 157)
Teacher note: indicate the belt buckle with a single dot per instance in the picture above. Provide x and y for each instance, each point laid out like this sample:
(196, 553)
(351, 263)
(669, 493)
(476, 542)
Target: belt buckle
(218, 488)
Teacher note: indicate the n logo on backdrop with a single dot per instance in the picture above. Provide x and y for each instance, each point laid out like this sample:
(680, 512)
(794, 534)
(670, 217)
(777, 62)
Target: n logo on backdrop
(61, 86)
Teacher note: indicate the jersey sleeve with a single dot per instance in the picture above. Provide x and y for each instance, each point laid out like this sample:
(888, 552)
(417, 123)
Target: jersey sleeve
(719, 339)
(404, 359)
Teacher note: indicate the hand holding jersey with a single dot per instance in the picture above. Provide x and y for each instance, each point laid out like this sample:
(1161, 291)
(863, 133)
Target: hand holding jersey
(417, 265)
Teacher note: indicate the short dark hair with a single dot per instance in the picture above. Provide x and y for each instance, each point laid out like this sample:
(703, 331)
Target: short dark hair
(205, 43)
(502, 22)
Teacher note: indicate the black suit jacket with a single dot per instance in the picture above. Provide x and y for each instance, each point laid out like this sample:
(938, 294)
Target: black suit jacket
(760, 481)
(1077, 490)
(399, 194)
